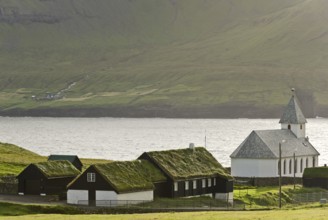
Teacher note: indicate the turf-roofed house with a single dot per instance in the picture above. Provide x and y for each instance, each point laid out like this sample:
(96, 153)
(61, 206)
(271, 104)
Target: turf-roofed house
(111, 183)
(191, 171)
(258, 155)
(46, 178)
(71, 158)
(316, 177)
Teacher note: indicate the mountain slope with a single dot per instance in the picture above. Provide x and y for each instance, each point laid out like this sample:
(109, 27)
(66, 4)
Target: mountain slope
(174, 58)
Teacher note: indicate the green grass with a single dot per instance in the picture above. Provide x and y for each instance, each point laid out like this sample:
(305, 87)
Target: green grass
(14, 159)
(317, 213)
(11, 209)
(191, 54)
(259, 197)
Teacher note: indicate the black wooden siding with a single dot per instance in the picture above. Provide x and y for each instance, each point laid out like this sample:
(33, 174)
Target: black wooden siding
(32, 182)
(315, 182)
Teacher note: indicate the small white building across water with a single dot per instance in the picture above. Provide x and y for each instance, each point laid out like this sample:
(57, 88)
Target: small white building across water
(258, 154)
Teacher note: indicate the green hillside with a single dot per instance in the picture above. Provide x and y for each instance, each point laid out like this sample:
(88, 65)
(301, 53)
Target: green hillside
(173, 58)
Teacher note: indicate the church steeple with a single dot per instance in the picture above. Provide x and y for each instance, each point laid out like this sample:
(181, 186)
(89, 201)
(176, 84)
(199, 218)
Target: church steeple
(293, 117)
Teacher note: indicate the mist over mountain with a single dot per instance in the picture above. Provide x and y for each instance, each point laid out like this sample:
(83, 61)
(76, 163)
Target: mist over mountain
(163, 58)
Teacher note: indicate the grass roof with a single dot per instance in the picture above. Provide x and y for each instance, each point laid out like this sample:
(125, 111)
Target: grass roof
(189, 163)
(57, 168)
(127, 176)
(316, 172)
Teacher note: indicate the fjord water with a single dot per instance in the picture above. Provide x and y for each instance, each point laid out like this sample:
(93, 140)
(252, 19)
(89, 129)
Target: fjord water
(127, 138)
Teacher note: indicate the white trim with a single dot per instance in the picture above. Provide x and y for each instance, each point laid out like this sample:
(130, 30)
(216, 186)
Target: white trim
(186, 185)
(204, 183)
(194, 184)
(209, 181)
(175, 186)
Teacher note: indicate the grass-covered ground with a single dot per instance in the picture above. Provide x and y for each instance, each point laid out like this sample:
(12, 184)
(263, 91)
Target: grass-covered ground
(179, 58)
(314, 213)
(14, 159)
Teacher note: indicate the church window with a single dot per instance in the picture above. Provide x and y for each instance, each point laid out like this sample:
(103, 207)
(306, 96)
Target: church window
(301, 168)
(290, 166)
(301, 127)
(313, 162)
(284, 167)
(295, 166)
(288, 127)
(306, 163)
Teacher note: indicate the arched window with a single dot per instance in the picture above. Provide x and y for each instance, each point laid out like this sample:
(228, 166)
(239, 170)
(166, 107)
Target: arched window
(290, 166)
(301, 166)
(301, 127)
(295, 166)
(289, 127)
(284, 167)
(306, 163)
(313, 162)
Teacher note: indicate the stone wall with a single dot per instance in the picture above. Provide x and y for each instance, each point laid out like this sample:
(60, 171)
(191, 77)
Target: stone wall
(8, 185)
(269, 181)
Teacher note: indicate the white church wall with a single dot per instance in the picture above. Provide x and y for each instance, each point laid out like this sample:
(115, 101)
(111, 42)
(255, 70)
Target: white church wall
(296, 129)
(241, 167)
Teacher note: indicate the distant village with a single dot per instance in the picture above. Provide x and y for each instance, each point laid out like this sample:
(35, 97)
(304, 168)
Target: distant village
(264, 158)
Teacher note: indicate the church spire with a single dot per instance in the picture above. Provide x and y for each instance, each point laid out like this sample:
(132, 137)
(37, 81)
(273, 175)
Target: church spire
(293, 113)
(293, 118)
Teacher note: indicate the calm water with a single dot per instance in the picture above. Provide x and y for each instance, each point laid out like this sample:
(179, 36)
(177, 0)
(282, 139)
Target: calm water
(126, 138)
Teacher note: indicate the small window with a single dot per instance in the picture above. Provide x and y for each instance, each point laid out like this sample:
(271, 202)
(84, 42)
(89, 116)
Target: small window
(301, 127)
(175, 186)
(214, 182)
(301, 168)
(186, 185)
(290, 166)
(209, 181)
(284, 168)
(288, 127)
(194, 184)
(91, 177)
(203, 183)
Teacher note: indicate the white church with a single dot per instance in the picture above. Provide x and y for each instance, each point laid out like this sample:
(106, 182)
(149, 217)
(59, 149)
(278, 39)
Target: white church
(258, 154)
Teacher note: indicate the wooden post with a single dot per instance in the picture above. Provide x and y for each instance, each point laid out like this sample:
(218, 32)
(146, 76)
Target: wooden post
(279, 174)
(294, 169)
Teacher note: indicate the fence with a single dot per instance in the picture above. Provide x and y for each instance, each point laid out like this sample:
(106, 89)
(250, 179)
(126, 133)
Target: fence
(310, 197)
(164, 204)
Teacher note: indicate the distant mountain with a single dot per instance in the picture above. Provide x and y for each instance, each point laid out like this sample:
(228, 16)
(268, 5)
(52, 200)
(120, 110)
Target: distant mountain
(163, 58)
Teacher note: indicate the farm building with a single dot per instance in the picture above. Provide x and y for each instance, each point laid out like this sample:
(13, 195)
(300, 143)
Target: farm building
(191, 172)
(71, 158)
(258, 154)
(46, 178)
(111, 183)
(316, 177)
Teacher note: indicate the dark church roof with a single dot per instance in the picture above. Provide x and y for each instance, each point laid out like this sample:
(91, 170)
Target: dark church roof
(293, 113)
(264, 144)
(187, 163)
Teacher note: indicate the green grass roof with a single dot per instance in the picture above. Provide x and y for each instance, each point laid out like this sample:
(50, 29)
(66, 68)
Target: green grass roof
(58, 168)
(189, 163)
(127, 176)
(316, 172)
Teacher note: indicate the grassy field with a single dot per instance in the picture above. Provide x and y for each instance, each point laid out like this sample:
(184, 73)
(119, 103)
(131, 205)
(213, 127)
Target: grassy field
(172, 55)
(14, 159)
(317, 213)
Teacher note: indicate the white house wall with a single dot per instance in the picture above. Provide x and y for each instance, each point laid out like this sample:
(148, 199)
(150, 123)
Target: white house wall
(105, 198)
(141, 196)
(78, 197)
(241, 167)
